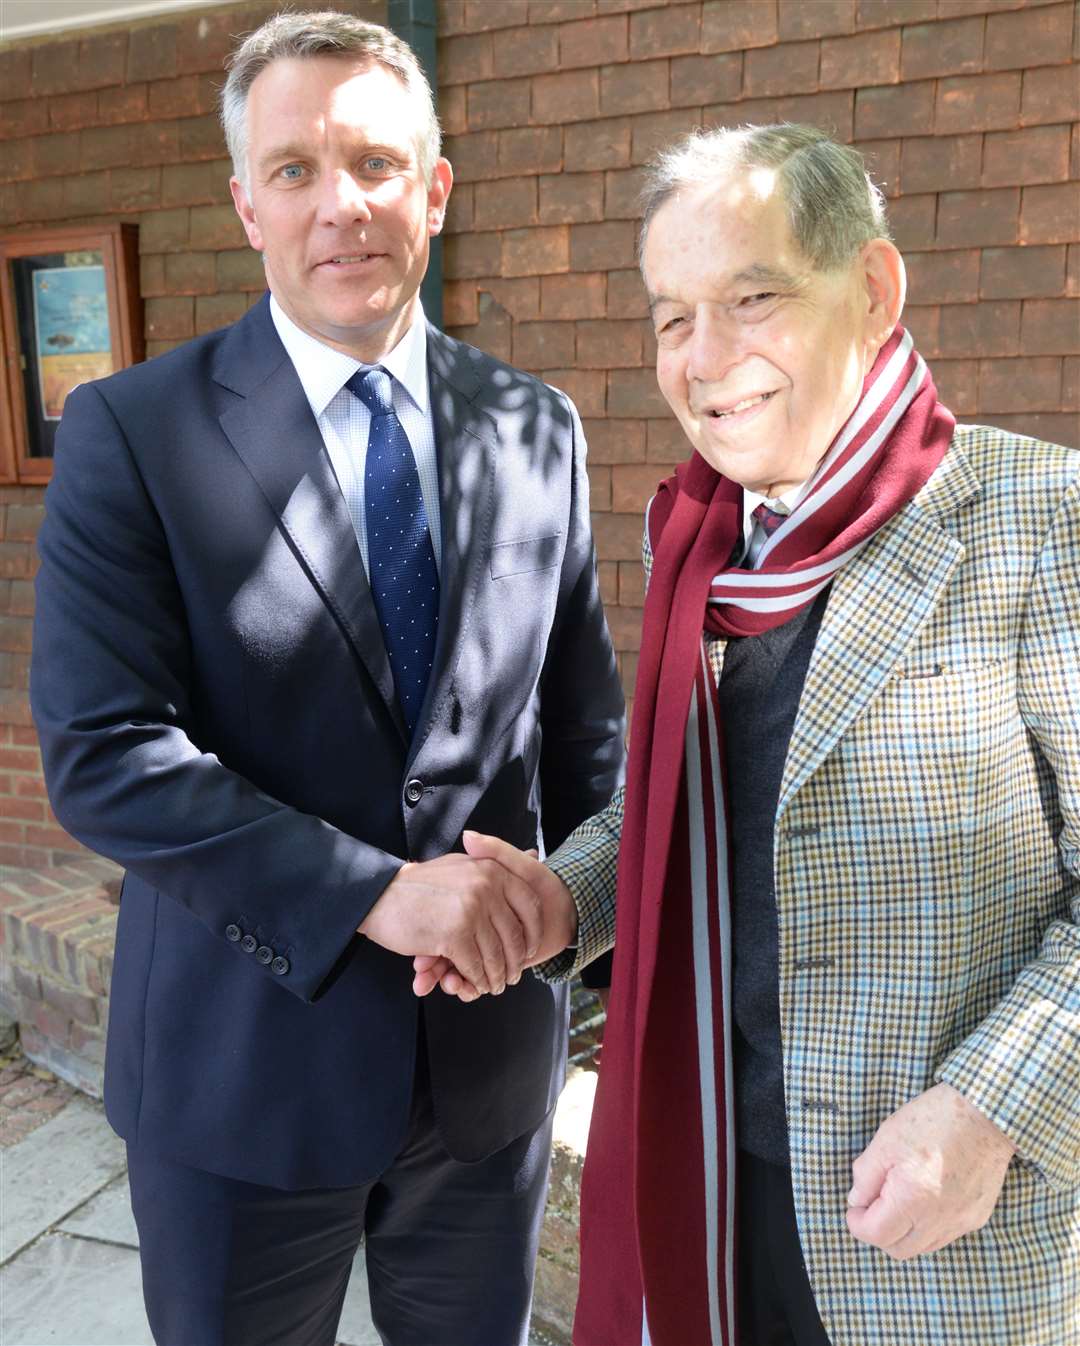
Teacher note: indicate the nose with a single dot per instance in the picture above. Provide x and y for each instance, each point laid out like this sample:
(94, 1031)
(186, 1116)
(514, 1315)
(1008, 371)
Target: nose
(342, 200)
(714, 344)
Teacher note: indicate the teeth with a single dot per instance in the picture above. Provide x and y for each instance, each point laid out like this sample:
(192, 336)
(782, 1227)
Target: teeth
(360, 257)
(741, 406)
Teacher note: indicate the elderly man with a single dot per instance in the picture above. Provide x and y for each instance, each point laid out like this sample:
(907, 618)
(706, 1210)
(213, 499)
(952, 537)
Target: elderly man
(844, 1028)
(318, 592)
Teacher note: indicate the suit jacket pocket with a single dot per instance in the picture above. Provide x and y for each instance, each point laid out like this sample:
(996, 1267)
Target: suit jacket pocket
(530, 553)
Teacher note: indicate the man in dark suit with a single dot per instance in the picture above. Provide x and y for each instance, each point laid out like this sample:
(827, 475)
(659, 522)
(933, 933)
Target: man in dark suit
(318, 594)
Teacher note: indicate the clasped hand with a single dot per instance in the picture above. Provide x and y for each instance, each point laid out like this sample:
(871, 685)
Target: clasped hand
(473, 922)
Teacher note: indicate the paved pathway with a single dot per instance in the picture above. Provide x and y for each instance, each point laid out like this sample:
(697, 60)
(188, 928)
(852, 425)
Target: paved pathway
(68, 1244)
(28, 1096)
(69, 1262)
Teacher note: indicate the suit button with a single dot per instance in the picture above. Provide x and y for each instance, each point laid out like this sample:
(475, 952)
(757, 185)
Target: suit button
(280, 965)
(264, 954)
(249, 944)
(414, 792)
(233, 933)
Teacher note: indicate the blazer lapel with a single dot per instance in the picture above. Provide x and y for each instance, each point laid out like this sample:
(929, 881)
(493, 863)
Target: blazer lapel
(274, 432)
(879, 603)
(466, 438)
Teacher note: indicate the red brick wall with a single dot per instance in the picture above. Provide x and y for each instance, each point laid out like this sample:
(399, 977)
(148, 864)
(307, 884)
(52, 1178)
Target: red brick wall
(117, 122)
(965, 109)
(551, 106)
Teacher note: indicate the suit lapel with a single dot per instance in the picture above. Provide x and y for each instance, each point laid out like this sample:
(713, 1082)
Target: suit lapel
(879, 603)
(274, 432)
(466, 439)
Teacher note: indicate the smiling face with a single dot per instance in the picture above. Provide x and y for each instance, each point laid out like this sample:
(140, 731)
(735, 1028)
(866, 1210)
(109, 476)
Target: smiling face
(760, 355)
(338, 205)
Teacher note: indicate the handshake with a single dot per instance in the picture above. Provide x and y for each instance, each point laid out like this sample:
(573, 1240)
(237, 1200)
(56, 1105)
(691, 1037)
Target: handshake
(472, 923)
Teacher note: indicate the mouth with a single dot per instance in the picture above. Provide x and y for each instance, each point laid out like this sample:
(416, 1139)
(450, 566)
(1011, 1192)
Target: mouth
(352, 259)
(739, 409)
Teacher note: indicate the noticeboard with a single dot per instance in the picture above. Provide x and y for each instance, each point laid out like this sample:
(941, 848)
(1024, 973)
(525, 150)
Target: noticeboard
(71, 313)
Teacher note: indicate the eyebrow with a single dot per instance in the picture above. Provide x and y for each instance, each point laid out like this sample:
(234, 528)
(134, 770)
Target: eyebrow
(295, 150)
(759, 273)
(279, 152)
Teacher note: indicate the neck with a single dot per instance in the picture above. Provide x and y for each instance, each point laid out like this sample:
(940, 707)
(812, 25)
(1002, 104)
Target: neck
(370, 346)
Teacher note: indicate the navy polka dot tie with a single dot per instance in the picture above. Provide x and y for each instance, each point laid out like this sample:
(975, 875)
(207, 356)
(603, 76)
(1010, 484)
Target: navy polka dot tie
(401, 561)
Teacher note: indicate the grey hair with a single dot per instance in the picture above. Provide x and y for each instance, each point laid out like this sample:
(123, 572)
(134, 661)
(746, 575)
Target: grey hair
(323, 33)
(833, 206)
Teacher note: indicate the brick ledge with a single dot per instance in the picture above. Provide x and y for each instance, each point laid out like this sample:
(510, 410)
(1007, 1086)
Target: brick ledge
(57, 930)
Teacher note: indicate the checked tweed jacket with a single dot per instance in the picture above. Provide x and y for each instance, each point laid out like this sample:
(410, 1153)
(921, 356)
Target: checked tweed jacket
(927, 861)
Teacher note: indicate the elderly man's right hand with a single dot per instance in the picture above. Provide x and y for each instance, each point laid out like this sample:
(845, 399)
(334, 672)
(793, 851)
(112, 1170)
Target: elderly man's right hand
(484, 920)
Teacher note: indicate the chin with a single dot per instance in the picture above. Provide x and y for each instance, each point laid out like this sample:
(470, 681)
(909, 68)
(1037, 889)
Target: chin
(737, 462)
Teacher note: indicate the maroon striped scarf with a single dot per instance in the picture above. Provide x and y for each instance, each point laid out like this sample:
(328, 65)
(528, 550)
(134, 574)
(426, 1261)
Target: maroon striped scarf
(657, 1206)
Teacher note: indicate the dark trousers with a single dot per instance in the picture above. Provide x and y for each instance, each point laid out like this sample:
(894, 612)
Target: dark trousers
(450, 1248)
(776, 1303)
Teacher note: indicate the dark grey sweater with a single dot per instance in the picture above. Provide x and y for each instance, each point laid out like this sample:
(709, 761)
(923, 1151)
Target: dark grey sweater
(760, 687)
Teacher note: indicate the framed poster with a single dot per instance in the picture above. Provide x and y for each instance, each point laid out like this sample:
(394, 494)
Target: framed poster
(71, 327)
(71, 312)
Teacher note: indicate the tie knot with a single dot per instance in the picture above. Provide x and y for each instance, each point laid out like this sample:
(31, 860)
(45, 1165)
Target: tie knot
(769, 520)
(372, 387)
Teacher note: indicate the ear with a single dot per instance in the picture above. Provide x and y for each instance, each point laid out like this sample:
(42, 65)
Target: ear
(885, 282)
(442, 179)
(246, 211)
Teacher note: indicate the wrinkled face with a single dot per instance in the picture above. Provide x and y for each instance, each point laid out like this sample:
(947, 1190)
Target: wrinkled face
(760, 356)
(338, 205)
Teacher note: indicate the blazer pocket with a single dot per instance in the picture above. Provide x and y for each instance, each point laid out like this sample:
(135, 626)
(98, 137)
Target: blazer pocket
(530, 553)
(923, 670)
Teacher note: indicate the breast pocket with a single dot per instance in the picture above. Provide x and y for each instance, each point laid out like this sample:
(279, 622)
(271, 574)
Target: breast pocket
(525, 555)
(948, 719)
(932, 758)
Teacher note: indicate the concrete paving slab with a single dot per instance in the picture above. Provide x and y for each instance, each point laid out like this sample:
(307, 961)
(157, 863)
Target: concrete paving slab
(66, 1291)
(54, 1170)
(356, 1328)
(79, 1284)
(106, 1217)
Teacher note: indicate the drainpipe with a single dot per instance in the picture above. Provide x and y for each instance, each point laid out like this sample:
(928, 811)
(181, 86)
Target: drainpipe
(414, 22)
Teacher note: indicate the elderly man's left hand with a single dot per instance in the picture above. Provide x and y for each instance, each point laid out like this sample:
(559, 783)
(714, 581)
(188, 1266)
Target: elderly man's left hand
(932, 1172)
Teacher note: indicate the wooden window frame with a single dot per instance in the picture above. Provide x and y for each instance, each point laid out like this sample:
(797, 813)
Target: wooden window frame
(119, 247)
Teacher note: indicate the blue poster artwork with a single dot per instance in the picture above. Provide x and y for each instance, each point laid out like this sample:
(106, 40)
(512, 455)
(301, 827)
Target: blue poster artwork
(71, 318)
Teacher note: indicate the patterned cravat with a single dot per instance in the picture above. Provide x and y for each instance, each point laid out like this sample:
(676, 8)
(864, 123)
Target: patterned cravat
(401, 561)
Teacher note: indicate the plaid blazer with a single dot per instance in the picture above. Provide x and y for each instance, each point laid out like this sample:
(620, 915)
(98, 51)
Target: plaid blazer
(927, 861)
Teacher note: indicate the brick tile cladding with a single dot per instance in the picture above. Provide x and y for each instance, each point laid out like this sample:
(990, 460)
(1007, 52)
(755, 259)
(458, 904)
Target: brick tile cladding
(966, 108)
(114, 122)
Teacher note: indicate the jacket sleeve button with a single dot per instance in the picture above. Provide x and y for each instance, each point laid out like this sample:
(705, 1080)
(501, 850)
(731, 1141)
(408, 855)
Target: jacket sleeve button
(249, 944)
(264, 954)
(233, 933)
(280, 965)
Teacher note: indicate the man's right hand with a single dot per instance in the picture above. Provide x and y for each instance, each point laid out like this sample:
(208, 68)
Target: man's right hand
(483, 919)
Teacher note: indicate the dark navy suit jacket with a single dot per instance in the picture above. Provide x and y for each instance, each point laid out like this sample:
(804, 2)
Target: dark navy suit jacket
(217, 713)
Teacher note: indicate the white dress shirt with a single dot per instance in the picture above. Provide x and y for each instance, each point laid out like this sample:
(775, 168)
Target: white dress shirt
(344, 420)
